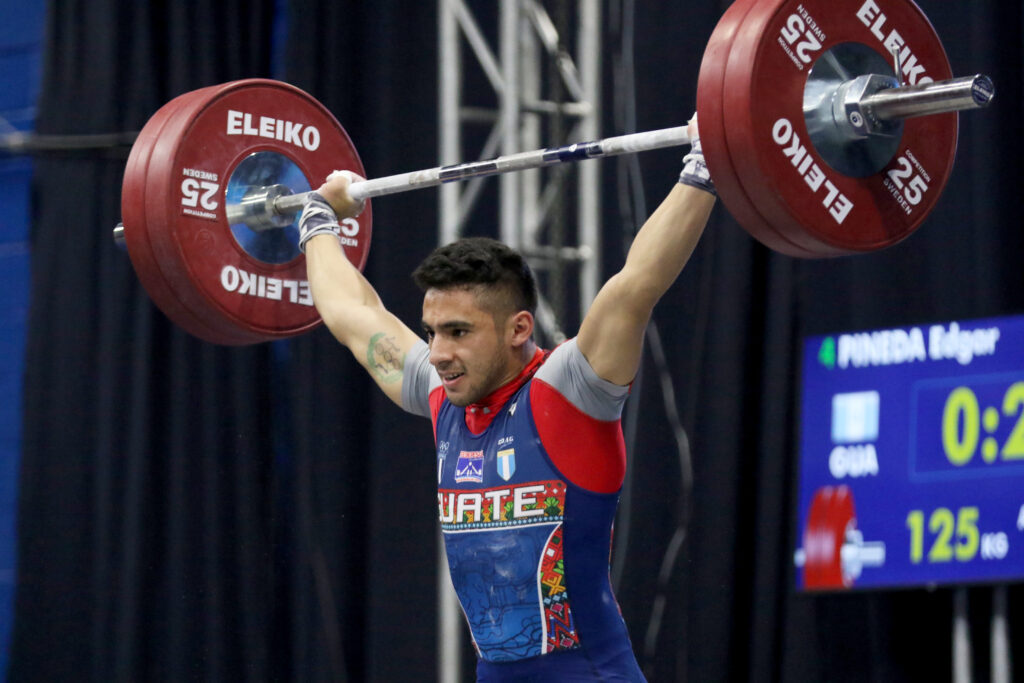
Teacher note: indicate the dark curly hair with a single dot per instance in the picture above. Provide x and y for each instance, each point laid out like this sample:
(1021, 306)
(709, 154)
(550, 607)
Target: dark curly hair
(481, 261)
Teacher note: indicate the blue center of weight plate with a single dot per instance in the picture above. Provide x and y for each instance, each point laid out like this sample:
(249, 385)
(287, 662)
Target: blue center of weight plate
(256, 172)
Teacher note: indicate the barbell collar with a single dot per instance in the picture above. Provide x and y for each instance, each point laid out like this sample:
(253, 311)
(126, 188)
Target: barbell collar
(257, 210)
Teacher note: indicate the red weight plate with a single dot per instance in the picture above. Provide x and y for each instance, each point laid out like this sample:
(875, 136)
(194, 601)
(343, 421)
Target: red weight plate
(244, 299)
(831, 514)
(136, 232)
(211, 273)
(185, 305)
(710, 117)
(810, 204)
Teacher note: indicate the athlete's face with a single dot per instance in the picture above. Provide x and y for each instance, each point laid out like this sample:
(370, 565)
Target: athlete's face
(472, 352)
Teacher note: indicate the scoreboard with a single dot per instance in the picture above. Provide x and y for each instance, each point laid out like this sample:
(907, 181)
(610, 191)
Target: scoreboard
(912, 456)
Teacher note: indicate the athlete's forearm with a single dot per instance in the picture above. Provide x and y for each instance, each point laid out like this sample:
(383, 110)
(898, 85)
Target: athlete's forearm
(335, 283)
(664, 244)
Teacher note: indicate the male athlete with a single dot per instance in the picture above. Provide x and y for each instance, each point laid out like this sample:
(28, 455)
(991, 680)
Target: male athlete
(529, 447)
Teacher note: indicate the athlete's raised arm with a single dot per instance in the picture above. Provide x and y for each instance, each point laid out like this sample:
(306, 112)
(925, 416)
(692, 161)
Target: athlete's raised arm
(611, 336)
(347, 302)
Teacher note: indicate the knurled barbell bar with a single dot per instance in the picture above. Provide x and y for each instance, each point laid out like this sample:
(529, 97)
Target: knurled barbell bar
(816, 147)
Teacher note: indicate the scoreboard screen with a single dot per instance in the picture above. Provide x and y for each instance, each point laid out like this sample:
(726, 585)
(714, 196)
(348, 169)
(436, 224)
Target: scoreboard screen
(912, 456)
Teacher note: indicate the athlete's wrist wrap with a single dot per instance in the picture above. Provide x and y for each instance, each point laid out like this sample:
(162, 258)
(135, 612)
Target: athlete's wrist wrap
(695, 170)
(318, 218)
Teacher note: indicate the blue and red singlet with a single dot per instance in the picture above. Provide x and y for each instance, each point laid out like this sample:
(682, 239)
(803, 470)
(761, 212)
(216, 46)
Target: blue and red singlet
(528, 484)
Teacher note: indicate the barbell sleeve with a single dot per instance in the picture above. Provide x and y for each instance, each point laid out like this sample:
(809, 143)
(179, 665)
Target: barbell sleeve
(956, 94)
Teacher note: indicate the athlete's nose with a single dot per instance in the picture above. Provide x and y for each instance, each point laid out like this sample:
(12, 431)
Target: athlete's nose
(440, 352)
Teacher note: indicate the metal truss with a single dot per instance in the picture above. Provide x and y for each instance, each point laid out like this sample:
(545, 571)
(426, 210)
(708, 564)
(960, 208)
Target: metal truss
(531, 204)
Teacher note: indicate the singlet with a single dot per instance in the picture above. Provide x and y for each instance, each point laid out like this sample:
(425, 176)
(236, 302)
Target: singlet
(526, 501)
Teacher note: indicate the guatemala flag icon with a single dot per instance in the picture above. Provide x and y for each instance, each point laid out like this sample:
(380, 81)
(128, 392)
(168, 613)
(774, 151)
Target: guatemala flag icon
(507, 463)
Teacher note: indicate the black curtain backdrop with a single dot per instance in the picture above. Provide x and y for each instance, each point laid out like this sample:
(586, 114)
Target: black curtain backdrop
(198, 512)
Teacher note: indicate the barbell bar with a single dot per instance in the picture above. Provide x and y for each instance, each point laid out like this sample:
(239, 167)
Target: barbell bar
(817, 145)
(884, 105)
(623, 144)
(263, 208)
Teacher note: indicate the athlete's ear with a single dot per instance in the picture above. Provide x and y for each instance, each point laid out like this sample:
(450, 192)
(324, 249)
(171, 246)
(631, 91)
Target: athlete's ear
(520, 326)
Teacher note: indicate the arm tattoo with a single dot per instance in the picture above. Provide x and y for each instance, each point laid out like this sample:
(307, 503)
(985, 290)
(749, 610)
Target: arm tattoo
(384, 359)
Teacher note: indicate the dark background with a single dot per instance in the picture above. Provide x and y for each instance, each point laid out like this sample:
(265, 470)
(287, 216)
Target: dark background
(198, 512)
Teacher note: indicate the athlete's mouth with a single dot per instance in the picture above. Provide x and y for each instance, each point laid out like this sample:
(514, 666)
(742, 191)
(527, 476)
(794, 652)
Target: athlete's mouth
(452, 376)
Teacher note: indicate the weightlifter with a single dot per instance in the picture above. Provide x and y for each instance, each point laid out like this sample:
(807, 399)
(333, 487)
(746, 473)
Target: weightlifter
(529, 446)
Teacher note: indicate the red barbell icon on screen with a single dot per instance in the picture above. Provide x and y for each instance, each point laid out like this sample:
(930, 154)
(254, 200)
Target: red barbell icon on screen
(834, 552)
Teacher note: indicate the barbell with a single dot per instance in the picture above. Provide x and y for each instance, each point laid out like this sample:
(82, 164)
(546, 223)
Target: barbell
(834, 553)
(828, 126)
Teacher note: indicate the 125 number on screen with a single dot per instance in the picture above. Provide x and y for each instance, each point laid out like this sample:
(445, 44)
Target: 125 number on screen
(955, 536)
